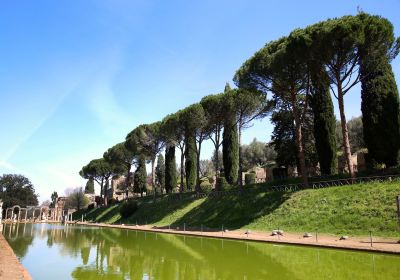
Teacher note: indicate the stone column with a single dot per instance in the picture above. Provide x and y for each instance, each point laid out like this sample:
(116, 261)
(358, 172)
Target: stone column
(1, 210)
(1, 215)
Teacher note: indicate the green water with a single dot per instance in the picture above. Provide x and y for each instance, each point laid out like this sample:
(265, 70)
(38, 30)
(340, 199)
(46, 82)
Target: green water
(78, 252)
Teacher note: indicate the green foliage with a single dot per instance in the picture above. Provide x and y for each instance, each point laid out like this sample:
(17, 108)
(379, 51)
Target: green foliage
(197, 126)
(214, 110)
(356, 135)
(217, 161)
(283, 138)
(205, 185)
(128, 208)
(89, 188)
(149, 140)
(17, 190)
(206, 168)
(324, 123)
(54, 197)
(146, 139)
(170, 169)
(160, 172)
(122, 158)
(379, 93)
(112, 201)
(90, 206)
(100, 170)
(351, 210)
(381, 115)
(213, 106)
(77, 199)
(335, 47)
(173, 131)
(190, 160)
(250, 178)
(140, 184)
(281, 68)
(222, 183)
(230, 142)
(257, 154)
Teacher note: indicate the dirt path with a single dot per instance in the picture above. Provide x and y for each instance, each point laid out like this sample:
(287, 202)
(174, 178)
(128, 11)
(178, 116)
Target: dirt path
(384, 245)
(10, 267)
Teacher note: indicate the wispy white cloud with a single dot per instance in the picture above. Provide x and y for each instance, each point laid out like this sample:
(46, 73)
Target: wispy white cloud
(102, 98)
(8, 167)
(62, 89)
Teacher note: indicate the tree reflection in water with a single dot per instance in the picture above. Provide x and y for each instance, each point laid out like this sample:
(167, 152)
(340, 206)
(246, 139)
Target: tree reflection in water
(106, 253)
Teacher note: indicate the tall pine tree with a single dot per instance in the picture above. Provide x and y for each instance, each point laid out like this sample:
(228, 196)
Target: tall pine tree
(381, 114)
(170, 169)
(89, 188)
(140, 177)
(230, 141)
(160, 173)
(324, 123)
(190, 160)
(379, 93)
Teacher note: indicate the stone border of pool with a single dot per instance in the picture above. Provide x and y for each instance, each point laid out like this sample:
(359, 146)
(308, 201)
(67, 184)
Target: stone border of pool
(380, 245)
(10, 266)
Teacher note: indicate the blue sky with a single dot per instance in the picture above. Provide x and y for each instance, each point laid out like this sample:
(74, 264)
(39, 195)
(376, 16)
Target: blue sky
(77, 76)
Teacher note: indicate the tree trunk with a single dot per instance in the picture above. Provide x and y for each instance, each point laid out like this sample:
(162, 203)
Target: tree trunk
(105, 193)
(128, 175)
(102, 190)
(345, 132)
(217, 187)
(240, 155)
(198, 168)
(153, 177)
(299, 140)
(181, 187)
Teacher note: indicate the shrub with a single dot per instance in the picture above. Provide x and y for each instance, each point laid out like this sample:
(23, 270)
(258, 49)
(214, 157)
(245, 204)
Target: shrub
(112, 201)
(250, 178)
(128, 208)
(90, 206)
(205, 185)
(222, 183)
(204, 181)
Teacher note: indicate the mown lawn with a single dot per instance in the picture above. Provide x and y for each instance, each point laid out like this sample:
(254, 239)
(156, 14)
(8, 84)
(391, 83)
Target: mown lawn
(352, 210)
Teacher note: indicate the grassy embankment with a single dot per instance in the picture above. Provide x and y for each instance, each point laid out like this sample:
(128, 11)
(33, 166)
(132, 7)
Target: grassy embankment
(351, 210)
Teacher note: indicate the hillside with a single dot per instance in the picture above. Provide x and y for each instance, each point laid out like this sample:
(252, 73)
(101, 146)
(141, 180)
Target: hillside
(351, 210)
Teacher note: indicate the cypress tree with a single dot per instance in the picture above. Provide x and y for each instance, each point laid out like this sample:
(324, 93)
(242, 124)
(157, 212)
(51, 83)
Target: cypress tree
(230, 141)
(380, 113)
(140, 177)
(190, 160)
(170, 168)
(160, 172)
(379, 94)
(89, 188)
(324, 124)
(283, 137)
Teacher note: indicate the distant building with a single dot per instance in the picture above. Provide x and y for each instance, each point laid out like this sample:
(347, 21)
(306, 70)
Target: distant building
(117, 188)
(357, 160)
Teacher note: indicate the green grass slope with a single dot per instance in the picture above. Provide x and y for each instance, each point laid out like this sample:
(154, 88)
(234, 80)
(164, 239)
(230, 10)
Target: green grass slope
(352, 210)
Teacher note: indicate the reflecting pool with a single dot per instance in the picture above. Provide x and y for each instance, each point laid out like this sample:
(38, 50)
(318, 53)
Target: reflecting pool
(80, 252)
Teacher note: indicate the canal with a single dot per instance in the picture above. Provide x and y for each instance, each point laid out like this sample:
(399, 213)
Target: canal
(81, 252)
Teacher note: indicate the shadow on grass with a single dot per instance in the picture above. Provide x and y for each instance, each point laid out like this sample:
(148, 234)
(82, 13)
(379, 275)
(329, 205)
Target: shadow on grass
(232, 211)
(151, 211)
(100, 214)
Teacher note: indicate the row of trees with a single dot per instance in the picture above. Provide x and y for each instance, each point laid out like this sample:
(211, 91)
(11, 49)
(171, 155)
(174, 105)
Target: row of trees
(220, 118)
(298, 73)
(16, 189)
(303, 69)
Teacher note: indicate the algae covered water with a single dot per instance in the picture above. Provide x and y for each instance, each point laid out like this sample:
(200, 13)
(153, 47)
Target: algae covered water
(80, 252)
